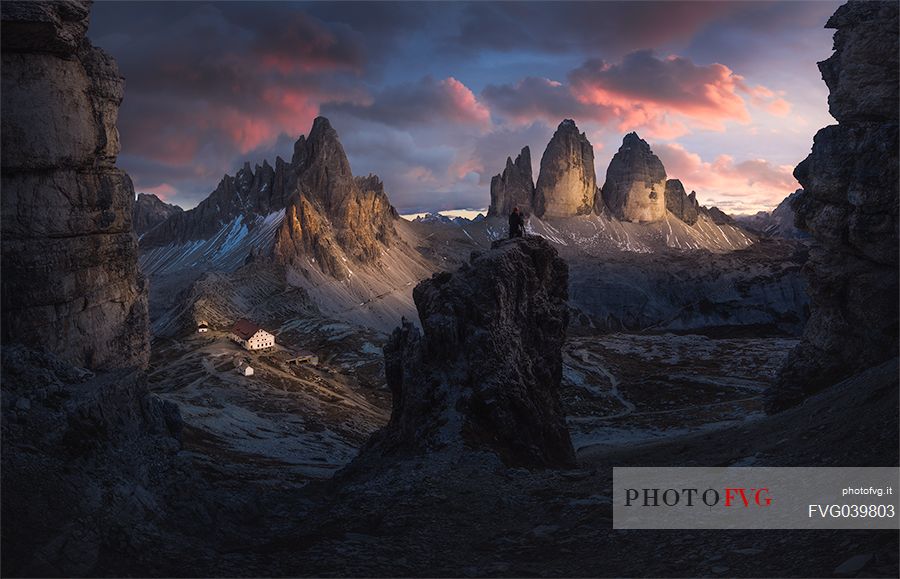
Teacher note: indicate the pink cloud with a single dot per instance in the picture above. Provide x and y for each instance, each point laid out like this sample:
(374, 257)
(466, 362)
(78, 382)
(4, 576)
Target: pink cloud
(464, 107)
(662, 98)
(779, 107)
(746, 186)
(665, 97)
(163, 191)
(426, 102)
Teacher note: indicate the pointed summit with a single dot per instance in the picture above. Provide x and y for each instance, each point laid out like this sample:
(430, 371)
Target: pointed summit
(513, 188)
(332, 216)
(635, 188)
(322, 148)
(567, 183)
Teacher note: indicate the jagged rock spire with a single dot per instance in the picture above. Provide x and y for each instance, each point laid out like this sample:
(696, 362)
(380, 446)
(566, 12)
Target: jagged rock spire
(514, 187)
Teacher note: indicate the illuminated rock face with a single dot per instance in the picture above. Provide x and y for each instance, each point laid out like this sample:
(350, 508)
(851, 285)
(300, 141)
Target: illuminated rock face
(332, 215)
(567, 183)
(635, 187)
(849, 203)
(70, 280)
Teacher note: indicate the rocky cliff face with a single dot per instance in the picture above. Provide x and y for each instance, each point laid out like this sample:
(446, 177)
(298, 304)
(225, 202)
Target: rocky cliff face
(70, 280)
(85, 448)
(635, 187)
(332, 215)
(567, 183)
(849, 204)
(681, 205)
(150, 211)
(485, 373)
(513, 188)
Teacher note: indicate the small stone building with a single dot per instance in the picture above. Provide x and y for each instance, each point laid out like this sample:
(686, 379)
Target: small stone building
(202, 327)
(303, 357)
(245, 369)
(251, 336)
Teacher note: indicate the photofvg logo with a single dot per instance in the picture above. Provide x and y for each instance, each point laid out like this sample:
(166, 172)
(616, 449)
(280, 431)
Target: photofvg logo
(670, 497)
(755, 498)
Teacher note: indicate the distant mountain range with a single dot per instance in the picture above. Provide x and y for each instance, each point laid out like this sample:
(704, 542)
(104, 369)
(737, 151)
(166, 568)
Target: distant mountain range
(321, 229)
(777, 223)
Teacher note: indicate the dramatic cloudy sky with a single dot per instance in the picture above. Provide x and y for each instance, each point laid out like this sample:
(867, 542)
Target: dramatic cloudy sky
(434, 96)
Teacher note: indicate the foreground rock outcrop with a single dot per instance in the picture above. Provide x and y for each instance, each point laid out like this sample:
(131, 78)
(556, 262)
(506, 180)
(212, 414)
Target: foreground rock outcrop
(77, 478)
(514, 187)
(70, 279)
(150, 211)
(567, 183)
(485, 371)
(635, 187)
(849, 204)
(89, 457)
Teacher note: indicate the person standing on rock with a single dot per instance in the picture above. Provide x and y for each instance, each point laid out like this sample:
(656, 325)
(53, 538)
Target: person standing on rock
(516, 224)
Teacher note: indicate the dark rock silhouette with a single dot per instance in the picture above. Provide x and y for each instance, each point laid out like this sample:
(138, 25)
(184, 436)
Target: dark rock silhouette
(849, 204)
(485, 371)
(150, 211)
(681, 205)
(567, 183)
(70, 280)
(635, 186)
(85, 447)
(514, 187)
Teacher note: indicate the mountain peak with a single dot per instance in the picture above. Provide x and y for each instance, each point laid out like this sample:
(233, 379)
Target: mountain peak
(321, 146)
(332, 214)
(320, 124)
(567, 183)
(632, 139)
(635, 186)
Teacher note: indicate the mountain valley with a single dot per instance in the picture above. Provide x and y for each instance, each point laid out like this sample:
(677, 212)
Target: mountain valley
(440, 399)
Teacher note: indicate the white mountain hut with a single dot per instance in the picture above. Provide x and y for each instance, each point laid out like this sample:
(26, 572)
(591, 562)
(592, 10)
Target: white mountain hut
(251, 336)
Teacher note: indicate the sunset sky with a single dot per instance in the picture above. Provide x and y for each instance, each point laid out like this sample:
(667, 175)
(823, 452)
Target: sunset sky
(433, 97)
